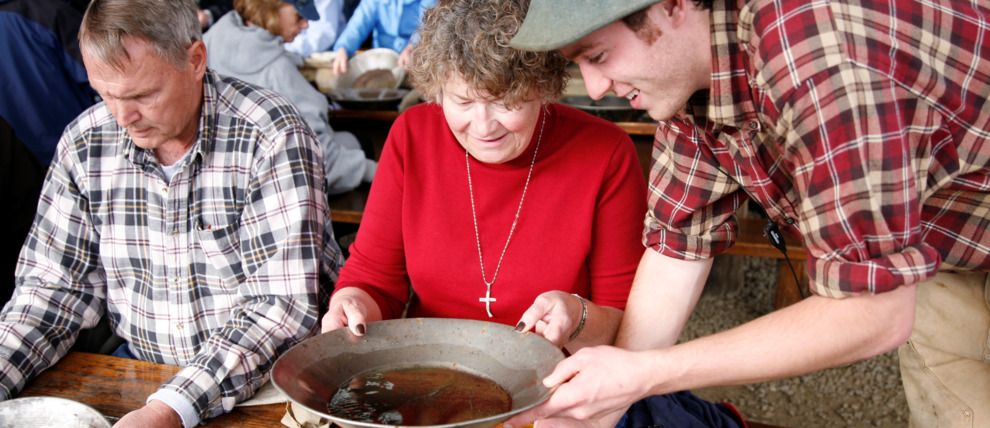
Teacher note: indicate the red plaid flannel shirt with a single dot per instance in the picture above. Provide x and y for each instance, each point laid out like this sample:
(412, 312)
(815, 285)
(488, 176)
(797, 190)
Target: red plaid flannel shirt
(861, 126)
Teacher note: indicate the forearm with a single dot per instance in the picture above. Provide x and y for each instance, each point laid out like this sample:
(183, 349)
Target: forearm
(600, 328)
(664, 293)
(815, 334)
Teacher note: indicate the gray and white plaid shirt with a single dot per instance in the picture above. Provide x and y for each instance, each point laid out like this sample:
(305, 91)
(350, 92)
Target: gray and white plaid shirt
(219, 270)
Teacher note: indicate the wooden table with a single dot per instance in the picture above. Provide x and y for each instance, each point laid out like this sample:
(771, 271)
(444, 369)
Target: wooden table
(115, 386)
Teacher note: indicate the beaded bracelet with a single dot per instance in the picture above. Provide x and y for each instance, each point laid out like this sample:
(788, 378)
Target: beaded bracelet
(584, 317)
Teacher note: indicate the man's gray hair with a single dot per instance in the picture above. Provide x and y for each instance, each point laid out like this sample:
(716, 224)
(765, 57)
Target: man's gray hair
(168, 26)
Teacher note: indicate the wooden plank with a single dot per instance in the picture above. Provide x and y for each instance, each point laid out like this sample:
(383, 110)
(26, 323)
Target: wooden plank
(639, 128)
(348, 207)
(789, 291)
(751, 242)
(633, 128)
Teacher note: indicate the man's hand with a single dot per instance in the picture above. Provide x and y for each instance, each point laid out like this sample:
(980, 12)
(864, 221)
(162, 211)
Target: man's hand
(405, 56)
(608, 421)
(205, 19)
(153, 414)
(340, 62)
(596, 385)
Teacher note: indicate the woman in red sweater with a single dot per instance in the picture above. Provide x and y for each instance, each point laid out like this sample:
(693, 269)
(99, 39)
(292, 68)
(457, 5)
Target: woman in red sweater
(493, 203)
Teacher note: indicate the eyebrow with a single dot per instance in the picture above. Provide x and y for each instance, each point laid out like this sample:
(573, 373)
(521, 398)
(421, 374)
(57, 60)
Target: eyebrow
(575, 50)
(127, 95)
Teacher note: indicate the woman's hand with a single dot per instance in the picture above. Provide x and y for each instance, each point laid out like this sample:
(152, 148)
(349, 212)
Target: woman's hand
(340, 62)
(554, 315)
(351, 307)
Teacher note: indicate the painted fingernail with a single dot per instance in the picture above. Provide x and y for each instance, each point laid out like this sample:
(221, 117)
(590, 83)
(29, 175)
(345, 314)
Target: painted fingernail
(360, 329)
(521, 326)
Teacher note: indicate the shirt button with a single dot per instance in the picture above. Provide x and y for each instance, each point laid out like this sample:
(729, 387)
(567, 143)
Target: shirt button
(164, 189)
(175, 232)
(754, 125)
(790, 220)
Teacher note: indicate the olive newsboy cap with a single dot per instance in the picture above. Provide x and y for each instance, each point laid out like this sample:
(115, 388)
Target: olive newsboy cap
(551, 24)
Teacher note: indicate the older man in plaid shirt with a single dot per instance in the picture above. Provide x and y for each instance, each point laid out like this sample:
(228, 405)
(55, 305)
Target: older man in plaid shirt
(187, 207)
(861, 126)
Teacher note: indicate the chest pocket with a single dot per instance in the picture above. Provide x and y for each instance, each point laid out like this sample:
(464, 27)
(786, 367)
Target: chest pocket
(222, 248)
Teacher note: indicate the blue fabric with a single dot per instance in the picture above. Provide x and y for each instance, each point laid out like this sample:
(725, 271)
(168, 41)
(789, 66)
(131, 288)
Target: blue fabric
(42, 78)
(678, 410)
(392, 24)
(123, 351)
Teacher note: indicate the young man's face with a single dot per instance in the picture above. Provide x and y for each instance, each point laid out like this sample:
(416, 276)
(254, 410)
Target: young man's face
(657, 68)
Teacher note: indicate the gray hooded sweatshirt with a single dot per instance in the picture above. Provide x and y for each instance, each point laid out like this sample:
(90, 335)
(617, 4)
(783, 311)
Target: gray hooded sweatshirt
(254, 55)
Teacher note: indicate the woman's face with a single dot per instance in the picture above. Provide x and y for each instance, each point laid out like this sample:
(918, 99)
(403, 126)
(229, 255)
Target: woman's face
(488, 130)
(292, 24)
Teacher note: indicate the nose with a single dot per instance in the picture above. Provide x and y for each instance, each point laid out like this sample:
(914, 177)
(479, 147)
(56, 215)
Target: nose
(304, 24)
(123, 111)
(482, 120)
(595, 81)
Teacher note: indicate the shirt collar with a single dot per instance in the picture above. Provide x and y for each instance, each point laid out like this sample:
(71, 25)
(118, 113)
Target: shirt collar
(730, 97)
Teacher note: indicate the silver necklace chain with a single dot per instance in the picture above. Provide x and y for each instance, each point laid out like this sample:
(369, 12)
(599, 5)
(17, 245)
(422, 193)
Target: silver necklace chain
(474, 216)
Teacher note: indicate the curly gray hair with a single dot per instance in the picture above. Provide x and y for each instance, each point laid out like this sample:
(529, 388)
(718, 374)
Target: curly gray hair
(471, 38)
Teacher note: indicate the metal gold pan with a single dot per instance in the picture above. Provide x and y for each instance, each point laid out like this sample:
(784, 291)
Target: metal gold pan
(310, 373)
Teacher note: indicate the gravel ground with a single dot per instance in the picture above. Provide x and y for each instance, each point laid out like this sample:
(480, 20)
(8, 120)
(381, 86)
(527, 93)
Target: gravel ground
(864, 394)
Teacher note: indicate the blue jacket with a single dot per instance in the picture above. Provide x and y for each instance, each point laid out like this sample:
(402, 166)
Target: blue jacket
(391, 22)
(42, 79)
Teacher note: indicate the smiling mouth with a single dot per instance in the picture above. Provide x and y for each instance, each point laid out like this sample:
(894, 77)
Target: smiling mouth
(490, 141)
(630, 96)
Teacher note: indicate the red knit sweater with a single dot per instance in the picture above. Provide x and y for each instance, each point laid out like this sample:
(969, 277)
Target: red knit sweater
(579, 230)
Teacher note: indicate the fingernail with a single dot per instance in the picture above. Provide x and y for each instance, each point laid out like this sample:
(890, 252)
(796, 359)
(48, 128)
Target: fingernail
(504, 425)
(360, 329)
(519, 327)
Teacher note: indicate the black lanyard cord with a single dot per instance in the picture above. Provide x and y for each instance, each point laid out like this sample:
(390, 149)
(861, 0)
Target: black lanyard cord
(771, 231)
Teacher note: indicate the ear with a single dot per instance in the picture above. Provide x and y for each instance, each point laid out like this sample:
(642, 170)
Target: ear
(197, 58)
(673, 11)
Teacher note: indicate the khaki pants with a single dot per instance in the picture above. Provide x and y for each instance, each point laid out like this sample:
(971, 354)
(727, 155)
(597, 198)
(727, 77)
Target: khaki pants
(945, 366)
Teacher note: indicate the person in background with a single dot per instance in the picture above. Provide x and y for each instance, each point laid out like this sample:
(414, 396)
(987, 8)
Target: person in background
(211, 10)
(391, 23)
(21, 176)
(187, 208)
(247, 43)
(862, 127)
(321, 34)
(42, 75)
